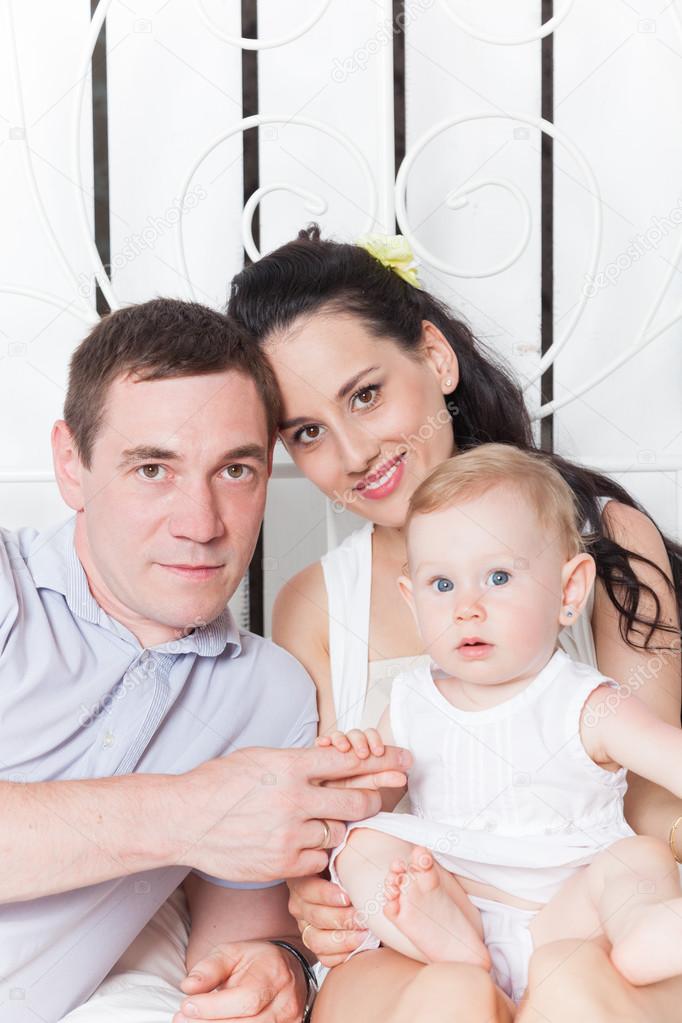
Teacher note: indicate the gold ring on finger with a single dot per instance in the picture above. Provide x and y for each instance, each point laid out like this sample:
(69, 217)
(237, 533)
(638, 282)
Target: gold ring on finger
(325, 843)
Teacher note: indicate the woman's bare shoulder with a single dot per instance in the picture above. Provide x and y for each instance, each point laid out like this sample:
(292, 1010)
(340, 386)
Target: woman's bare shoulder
(633, 529)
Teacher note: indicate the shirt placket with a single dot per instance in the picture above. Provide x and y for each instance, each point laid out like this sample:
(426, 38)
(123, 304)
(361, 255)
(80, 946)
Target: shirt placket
(157, 710)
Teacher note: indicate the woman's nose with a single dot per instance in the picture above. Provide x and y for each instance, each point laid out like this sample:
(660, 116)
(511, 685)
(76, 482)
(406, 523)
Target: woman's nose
(359, 449)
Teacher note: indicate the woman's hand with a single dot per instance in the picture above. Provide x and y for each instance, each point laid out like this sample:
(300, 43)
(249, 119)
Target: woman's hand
(244, 979)
(363, 743)
(324, 912)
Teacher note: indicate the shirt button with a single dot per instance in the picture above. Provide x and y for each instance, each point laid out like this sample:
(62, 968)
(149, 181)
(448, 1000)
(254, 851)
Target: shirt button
(108, 740)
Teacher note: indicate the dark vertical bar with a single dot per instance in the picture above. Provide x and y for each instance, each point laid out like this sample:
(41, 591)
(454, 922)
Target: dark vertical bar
(547, 225)
(100, 153)
(399, 129)
(251, 177)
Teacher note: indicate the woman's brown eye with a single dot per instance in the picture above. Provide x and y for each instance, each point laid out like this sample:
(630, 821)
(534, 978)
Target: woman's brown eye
(365, 396)
(312, 432)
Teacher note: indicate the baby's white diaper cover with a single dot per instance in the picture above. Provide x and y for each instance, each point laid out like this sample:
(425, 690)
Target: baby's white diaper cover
(506, 933)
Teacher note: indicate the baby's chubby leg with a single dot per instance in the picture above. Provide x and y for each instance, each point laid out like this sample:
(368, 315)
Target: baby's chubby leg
(631, 893)
(409, 901)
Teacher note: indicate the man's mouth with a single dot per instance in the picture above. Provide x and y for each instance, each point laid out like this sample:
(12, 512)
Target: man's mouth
(198, 572)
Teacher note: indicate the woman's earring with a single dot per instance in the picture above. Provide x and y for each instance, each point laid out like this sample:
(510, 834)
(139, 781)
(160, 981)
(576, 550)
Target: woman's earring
(570, 612)
(448, 383)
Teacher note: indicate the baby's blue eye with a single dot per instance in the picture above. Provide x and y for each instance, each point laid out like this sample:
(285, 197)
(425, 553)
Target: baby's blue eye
(499, 578)
(442, 585)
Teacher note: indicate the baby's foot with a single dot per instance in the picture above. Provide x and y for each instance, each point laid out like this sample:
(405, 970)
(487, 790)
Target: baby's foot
(652, 948)
(419, 903)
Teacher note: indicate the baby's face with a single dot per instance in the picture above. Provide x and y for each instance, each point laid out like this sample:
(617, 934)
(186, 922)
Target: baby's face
(486, 570)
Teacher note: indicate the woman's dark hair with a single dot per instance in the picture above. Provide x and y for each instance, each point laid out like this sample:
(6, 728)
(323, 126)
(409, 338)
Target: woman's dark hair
(310, 274)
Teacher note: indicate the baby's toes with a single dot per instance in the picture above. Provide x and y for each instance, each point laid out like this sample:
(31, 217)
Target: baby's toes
(392, 884)
(391, 898)
(421, 858)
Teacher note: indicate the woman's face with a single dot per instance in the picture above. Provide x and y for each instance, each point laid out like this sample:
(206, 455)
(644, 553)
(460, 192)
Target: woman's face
(364, 421)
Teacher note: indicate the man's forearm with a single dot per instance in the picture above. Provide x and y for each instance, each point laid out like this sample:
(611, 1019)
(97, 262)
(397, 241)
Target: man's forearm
(60, 835)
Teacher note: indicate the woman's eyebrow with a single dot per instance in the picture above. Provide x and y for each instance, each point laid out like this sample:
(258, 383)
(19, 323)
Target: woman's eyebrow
(300, 420)
(350, 384)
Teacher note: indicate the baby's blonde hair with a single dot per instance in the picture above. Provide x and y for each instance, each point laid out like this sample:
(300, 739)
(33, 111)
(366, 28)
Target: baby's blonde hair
(480, 469)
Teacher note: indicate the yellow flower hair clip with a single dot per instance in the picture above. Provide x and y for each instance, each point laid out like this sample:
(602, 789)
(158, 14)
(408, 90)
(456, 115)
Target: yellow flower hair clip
(393, 251)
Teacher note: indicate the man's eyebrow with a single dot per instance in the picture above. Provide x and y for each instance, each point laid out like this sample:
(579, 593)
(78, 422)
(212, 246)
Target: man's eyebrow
(340, 395)
(147, 453)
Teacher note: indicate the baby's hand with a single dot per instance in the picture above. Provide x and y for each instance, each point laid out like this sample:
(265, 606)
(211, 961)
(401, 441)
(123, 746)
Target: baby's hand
(362, 743)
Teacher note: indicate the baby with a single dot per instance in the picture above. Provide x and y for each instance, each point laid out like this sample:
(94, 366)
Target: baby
(516, 835)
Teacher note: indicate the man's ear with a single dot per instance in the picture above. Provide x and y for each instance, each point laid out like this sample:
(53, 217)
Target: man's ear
(406, 592)
(577, 579)
(437, 350)
(68, 467)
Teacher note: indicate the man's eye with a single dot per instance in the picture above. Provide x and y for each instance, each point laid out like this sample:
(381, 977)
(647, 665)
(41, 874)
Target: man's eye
(442, 585)
(237, 471)
(499, 577)
(150, 472)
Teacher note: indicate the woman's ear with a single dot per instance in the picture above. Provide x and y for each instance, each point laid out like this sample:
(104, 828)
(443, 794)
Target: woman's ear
(406, 592)
(440, 356)
(577, 579)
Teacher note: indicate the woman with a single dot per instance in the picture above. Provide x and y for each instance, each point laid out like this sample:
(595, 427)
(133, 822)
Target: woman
(380, 383)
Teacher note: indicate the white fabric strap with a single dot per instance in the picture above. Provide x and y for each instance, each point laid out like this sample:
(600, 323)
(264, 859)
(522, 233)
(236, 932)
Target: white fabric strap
(348, 578)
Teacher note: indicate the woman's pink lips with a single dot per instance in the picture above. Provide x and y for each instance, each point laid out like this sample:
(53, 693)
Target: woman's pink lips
(472, 653)
(388, 487)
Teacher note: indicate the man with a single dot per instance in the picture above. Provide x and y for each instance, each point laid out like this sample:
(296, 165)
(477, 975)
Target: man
(135, 718)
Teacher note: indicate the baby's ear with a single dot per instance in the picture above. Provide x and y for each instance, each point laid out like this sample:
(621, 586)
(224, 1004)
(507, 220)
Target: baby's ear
(406, 592)
(577, 579)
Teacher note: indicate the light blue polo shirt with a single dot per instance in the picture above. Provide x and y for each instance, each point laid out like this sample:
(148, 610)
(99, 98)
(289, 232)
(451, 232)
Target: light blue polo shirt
(80, 698)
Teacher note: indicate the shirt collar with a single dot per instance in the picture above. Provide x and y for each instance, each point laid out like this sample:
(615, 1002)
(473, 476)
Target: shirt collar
(54, 565)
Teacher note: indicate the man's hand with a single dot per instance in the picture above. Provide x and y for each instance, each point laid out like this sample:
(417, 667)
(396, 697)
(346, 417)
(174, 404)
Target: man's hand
(259, 814)
(325, 912)
(241, 979)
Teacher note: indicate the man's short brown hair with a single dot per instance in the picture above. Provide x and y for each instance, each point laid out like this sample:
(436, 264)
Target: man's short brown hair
(153, 341)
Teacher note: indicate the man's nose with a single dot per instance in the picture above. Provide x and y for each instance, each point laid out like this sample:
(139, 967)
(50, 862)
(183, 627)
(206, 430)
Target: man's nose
(195, 514)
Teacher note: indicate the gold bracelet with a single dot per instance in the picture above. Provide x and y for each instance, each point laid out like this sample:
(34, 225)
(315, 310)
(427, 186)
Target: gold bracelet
(671, 839)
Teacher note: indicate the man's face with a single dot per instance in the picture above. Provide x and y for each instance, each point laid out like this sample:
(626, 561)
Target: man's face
(173, 500)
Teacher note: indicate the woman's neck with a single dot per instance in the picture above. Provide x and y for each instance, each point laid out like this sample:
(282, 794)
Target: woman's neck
(390, 543)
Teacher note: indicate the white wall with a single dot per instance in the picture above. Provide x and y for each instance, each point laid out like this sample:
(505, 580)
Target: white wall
(326, 153)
